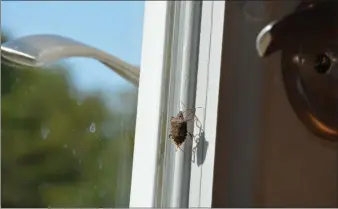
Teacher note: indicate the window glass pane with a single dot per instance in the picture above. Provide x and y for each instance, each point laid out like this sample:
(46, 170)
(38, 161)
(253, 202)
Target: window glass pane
(68, 128)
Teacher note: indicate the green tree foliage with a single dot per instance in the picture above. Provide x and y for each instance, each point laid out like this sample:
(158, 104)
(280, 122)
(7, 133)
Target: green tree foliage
(58, 150)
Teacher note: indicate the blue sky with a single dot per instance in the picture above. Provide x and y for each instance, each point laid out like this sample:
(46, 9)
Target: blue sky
(112, 26)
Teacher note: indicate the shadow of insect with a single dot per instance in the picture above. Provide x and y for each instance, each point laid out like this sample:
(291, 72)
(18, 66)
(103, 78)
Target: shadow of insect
(179, 128)
(200, 150)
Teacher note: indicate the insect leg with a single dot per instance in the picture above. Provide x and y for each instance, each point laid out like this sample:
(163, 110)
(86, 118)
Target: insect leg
(178, 148)
(197, 122)
(194, 148)
(193, 137)
(189, 119)
(183, 104)
(196, 141)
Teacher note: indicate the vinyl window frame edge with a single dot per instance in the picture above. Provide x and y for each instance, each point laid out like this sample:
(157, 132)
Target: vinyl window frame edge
(154, 46)
(207, 93)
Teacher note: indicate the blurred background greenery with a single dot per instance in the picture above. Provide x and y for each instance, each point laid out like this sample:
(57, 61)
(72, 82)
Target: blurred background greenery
(61, 147)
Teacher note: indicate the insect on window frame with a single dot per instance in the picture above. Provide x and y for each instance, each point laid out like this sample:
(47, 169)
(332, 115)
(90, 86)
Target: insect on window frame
(179, 128)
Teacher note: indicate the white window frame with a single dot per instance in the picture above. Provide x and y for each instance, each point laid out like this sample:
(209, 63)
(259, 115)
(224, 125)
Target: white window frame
(149, 103)
(149, 110)
(207, 93)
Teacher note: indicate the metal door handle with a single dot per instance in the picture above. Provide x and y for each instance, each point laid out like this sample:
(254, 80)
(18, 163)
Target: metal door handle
(308, 39)
(310, 21)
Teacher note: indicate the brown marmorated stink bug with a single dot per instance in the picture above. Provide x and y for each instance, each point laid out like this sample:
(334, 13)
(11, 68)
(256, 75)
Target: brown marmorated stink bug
(179, 129)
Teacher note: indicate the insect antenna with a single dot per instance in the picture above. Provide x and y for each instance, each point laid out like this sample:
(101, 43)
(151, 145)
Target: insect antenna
(185, 106)
(192, 111)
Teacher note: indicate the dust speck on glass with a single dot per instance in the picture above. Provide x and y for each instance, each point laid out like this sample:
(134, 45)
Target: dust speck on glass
(92, 127)
(44, 132)
(67, 129)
